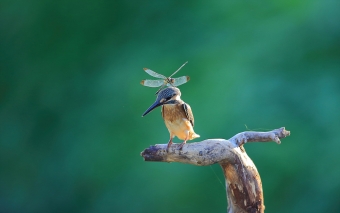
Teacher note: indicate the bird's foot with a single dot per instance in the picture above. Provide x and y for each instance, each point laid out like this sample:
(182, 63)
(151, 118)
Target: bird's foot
(168, 146)
(181, 145)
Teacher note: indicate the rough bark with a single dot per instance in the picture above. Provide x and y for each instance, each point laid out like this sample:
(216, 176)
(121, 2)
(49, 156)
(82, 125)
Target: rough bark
(243, 182)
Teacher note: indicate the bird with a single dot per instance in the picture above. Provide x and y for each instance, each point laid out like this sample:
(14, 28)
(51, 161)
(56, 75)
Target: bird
(177, 115)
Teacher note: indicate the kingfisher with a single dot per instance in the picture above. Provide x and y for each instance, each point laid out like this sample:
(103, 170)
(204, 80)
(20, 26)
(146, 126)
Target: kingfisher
(177, 115)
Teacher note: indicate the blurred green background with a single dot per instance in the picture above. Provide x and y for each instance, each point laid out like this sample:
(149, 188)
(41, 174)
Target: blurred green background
(71, 130)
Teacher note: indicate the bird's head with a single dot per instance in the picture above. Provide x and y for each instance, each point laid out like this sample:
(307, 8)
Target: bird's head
(168, 95)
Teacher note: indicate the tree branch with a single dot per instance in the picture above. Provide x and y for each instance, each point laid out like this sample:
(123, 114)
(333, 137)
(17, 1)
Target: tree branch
(243, 183)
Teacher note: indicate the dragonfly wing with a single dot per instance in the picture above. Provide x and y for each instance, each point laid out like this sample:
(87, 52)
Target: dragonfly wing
(154, 74)
(181, 80)
(152, 83)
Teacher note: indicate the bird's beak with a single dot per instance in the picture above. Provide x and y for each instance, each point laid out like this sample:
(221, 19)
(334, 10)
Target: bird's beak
(152, 107)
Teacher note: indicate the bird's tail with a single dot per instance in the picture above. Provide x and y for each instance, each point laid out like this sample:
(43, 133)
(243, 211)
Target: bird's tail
(194, 135)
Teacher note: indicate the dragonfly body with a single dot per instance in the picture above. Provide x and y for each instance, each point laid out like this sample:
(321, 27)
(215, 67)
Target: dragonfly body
(164, 81)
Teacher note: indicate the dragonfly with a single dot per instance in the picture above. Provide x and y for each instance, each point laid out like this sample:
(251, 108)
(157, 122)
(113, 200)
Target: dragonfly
(165, 81)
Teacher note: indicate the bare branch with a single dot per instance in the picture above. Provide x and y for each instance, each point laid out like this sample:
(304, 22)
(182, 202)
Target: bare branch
(251, 136)
(243, 183)
(209, 151)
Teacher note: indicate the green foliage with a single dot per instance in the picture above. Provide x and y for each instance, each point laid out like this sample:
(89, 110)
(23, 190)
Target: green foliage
(71, 130)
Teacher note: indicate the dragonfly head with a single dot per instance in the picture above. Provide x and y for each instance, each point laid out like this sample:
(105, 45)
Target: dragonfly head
(170, 80)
